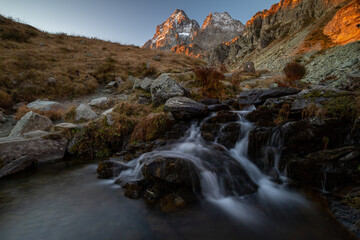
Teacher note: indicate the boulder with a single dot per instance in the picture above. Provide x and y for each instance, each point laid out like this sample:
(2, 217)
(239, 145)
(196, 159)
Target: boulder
(165, 87)
(249, 67)
(45, 106)
(110, 169)
(68, 126)
(29, 122)
(21, 164)
(259, 96)
(35, 134)
(84, 113)
(102, 102)
(170, 170)
(185, 108)
(46, 149)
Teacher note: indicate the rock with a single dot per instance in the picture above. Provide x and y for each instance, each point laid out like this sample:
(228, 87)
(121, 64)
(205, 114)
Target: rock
(165, 87)
(261, 116)
(2, 117)
(102, 102)
(133, 190)
(249, 67)
(249, 97)
(229, 135)
(144, 100)
(107, 112)
(218, 107)
(111, 85)
(176, 171)
(110, 169)
(146, 84)
(84, 113)
(30, 122)
(210, 101)
(52, 80)
(43, 150)
(224, 117)
(45, 106)
(35, 134)
(185, 108)
(119, 81)
(19, 165)
(354, 80)
(67, 126)
(132, 79)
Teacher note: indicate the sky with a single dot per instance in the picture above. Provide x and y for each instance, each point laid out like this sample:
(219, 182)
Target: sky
(124, 21)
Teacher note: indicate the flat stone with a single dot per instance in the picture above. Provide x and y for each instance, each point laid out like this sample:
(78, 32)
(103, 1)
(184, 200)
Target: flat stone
(30, 122)
(45, 105)
(84, 113)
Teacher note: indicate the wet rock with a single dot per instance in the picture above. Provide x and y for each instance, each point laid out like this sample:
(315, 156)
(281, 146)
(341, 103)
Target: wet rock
(261, 116)
(258, 97)
(110, 169)
(218, 107)
(326, 169)
(101, 103)
(170, 170)
(19, 165)
(210, 131)
(224, 117)
(45, 106)
(133, 190)
(172, 202)
(30, 122)
(165, 87)
(46, 149)
(178, 130)
(84, 113)
(229, 135)
(259, 139)
(184, 108)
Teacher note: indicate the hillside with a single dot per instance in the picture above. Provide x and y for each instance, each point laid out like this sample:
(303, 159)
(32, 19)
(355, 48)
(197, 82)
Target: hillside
(30, 59)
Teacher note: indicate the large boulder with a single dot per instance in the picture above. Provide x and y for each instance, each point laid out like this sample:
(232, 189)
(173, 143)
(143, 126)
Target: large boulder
(31, 122)
(185, 108)
(165, 87)
(84, 113)
(21, 164)
(259, 96)
(45, 106)
(43, 149)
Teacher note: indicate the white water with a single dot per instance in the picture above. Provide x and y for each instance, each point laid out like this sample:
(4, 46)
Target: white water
(195, 149)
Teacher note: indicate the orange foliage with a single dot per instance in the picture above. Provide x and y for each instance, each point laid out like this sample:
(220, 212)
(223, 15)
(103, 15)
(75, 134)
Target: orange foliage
(209, 80)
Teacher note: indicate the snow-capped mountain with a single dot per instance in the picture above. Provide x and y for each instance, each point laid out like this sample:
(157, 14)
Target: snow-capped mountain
(182, 35)
(177, 29)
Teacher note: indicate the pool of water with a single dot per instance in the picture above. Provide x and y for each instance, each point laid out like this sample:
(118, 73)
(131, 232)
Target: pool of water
(68, 201)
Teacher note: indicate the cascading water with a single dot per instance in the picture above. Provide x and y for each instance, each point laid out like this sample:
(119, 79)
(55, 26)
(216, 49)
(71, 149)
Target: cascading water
(219, 185)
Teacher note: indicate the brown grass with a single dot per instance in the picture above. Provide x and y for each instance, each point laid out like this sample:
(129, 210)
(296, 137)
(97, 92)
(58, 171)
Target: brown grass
(5, 99)
(283, 114)
(69, 114)
(151, 127)
(79, 64)
(53, 115)
(313, 110)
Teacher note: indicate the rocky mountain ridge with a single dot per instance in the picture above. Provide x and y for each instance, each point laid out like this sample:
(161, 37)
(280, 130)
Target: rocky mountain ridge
(182, 35)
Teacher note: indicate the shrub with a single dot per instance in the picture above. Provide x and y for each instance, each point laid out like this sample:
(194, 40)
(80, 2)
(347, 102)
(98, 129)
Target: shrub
(294, 71)
(5, 99)
(151, 127)
(209, 80)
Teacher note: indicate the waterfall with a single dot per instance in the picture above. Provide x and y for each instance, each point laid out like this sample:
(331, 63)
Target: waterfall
(195, 149)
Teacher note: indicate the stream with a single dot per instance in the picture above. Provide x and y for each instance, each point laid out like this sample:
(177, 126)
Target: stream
(67, 201)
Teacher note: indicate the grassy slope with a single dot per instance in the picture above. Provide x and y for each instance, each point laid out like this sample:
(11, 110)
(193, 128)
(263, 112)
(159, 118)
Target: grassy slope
(28, 57)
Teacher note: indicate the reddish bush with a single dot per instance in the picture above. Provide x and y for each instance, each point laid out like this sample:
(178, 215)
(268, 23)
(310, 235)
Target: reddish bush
(294, 71)
(209, 80)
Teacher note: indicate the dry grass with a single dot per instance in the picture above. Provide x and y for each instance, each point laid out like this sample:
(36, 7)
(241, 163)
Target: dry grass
(53, 115)
(208, 78)
(69, 114)
(283, 114)
(294, 71)
(313, 110)
(151, 127)
(5, 99)
(79, 64)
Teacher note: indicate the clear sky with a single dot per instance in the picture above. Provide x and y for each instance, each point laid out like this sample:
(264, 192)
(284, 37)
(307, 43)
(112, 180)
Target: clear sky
(123, 21)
